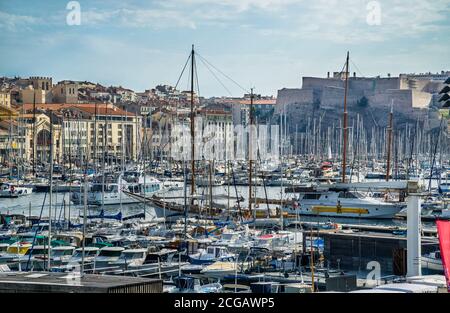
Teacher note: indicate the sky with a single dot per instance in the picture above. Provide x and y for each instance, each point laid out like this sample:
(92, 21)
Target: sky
(262, 44)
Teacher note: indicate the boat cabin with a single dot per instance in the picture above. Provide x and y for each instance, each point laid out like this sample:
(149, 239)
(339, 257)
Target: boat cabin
(88, 252)
(111, 252)
(62, 251)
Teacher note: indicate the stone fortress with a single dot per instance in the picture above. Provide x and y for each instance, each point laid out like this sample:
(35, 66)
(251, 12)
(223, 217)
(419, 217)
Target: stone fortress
(411, 95)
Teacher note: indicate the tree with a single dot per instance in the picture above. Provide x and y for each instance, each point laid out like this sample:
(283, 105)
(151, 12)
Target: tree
(363, 102)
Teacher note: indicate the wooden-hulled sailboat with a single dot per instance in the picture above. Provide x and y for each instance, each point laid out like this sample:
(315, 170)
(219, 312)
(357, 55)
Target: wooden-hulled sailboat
(164, 207)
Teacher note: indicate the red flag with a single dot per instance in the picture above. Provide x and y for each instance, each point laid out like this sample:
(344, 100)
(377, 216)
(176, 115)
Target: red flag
(443, 228)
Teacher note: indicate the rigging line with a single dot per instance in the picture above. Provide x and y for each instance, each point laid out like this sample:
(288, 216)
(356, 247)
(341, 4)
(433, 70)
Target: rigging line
(217, 78)
(189, 77)
(196, 80)
(343, 67)
(184, 67)
(357, 68)
(236, 83)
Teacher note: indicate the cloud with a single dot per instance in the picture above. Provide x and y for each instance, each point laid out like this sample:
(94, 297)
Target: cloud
(13, 22)
(341, 21)
(345, 21)
(237, 5)
(151, 18)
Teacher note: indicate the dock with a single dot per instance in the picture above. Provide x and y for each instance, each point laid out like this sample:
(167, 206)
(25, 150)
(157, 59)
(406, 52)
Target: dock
(45, 282)
(426, 231)
(352, 251)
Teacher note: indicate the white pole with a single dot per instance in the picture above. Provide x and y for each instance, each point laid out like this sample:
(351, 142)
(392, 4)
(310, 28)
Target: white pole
(413, 236)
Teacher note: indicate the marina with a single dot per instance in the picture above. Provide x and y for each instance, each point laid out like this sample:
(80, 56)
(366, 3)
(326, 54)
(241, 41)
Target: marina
(339, 185)
(300, 226)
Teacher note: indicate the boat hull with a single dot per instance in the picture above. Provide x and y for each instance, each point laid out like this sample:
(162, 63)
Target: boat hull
(432, 265)
(375, 211)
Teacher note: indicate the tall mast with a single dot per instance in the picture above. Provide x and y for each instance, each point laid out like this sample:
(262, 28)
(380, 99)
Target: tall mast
(192, 127)
(105, 141)
(388, 166)
(34, 133)
(250, 167)
(51, 195)
(95, 138)
(344, 129)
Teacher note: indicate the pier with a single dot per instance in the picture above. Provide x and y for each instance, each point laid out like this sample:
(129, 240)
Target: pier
(352, 251)
(45, 282)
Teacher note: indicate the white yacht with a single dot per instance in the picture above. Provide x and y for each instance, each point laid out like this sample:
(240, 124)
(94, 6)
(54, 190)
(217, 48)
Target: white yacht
(8, 190)
(107, 255)
(89, 256)
(221, 269)
(61, 254)
(130, 258)
(112, 191)
(336, 202)
(211, 254)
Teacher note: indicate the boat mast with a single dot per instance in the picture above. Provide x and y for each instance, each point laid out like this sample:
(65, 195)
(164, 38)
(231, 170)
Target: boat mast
(185, 198)
(34, 134)
(105, 141)
(388, 166)
(192, 127)
(95, 140)
(344, 129)
(51, 196)
(250, 162)
(210, 187)
(83, 243)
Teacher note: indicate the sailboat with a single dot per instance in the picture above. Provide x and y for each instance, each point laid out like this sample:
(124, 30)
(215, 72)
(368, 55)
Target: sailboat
(115, 191)
(164, 208)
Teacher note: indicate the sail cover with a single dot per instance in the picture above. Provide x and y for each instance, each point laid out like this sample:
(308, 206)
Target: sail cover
(444, 244)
